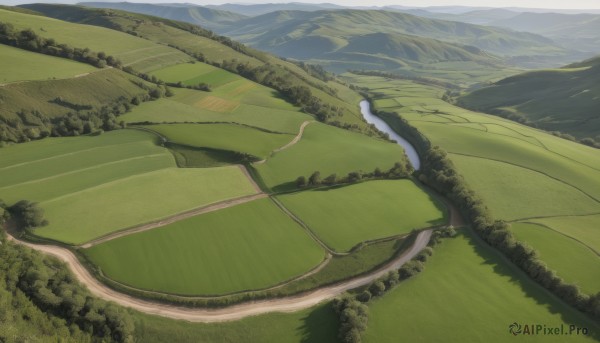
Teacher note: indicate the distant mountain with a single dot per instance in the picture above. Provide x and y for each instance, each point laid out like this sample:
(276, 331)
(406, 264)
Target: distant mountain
(273, 30)
(206, 17)
(259, 9)
(574, 31)
(566, 99)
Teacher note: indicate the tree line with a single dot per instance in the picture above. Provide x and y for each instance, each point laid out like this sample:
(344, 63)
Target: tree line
(438, 172)
(398, 171)
(29, 40)
(352, 310)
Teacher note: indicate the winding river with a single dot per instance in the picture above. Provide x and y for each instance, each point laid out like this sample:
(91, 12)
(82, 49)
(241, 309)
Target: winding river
(365, 109)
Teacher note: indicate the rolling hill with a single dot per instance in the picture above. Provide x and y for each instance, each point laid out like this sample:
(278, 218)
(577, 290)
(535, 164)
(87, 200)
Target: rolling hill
(273, 29)
(565, 100)
(198, 15)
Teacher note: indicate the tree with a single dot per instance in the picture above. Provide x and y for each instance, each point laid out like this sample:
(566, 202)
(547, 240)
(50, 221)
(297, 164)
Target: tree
(377, 288)
(330, 180)
(28, 214)
(314, 179)
(301, 181)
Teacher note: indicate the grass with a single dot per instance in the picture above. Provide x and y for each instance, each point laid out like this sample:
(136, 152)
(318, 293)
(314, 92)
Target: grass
(582, 228)
(564, 99)
(534, 173)
(224, 137)
(346, 216)
(91, 91)
(317, 324)
(572, 260)
(249, 246)
(187, 106)
(347, 266)
(141, 54)
(23, 65)
(538, 195)
(328, 150)
(191, 74)
(73, 178)
(465, 282)
(189, 157)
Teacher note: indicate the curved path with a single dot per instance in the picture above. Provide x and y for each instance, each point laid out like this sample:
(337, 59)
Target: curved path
(292, 142)
(235, 312)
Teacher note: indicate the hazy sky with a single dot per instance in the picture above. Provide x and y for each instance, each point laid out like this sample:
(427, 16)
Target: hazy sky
(566, 4)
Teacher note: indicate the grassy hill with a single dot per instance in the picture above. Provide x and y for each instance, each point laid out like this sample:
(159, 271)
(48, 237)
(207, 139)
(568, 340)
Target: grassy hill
(274, 29)
(224, 53)
(202, 16)
(565, 100)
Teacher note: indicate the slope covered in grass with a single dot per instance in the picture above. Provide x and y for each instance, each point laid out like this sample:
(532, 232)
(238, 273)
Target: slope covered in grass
(565, 100)
(248, 246)
(229, 137)
(577, 263)
(466, 282)
(23, 65)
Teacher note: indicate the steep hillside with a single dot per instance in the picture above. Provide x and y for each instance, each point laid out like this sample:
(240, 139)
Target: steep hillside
(206, 17)
(565, 100)
(306, 87)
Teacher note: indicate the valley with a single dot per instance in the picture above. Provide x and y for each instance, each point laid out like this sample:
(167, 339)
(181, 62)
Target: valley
(301, 173)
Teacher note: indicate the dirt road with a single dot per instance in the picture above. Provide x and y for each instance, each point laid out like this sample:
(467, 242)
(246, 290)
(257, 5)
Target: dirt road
(235, 312)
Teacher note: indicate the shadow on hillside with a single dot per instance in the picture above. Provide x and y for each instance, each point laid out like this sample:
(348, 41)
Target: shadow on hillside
(320, 325)
(532, 290)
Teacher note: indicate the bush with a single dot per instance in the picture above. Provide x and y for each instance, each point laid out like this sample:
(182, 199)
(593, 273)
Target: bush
(28, 214)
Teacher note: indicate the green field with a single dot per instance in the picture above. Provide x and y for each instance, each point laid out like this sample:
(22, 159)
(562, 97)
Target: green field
(245, 247)
(23, 65)
(328, 150)
(190, 106)
(576, 262)
(224, 137)
(343, 217)
(73, 178)
(141, 54)
(191, 74)
(582, 228)
(315, 325)
(538, 195)
(521, 173)
(466, 282)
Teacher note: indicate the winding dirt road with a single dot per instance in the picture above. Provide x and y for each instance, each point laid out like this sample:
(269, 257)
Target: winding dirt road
(235, 312)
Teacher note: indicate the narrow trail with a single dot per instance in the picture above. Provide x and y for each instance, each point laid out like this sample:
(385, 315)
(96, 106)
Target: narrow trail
(180, 216)
(291, 143)
(296, 139)
(235, 312)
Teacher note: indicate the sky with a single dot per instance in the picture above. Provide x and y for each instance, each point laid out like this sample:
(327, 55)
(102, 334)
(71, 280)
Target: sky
(558, 4)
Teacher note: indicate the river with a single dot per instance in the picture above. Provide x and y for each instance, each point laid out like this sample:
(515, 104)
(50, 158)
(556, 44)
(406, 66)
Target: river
(413, 157)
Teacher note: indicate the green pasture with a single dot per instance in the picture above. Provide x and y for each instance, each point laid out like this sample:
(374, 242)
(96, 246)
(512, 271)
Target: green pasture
(23, 65)
(314, 325)
(81, 216)
(224, 136)
(512, 192)
(141, 54)
(329, 150)
(191, 74)
(248, 246)
(346, 216)
(573, 261)
(184, 106)
(78, 180)
(582, 228)
(467, 282)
